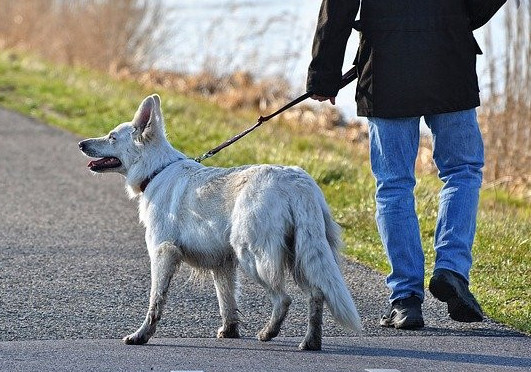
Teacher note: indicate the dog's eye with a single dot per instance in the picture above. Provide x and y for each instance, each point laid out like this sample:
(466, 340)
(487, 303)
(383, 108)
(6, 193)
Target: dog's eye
(112, 137)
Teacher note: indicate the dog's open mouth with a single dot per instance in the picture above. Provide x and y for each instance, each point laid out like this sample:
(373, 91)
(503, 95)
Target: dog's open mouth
(104, 163)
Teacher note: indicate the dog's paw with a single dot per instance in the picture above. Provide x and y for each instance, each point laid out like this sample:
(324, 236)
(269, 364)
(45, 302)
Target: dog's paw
(263, 336)
(314, 344)
(267, 334)
(230, 331)
(135, 339)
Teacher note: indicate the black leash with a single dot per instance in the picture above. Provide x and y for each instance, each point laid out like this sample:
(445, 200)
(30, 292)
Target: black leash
(346, 79)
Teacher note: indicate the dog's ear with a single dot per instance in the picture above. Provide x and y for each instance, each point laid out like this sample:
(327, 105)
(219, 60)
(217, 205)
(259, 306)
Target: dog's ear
(156, 98)
(147, 117)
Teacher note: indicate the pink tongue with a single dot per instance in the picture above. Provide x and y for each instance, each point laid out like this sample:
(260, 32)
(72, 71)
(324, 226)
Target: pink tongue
(94, 163)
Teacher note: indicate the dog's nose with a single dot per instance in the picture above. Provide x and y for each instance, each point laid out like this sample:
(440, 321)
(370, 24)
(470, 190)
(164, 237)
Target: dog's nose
(81, 145)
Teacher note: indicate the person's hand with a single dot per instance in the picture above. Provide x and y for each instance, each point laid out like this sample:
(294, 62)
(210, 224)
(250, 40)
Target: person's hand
(324, 99)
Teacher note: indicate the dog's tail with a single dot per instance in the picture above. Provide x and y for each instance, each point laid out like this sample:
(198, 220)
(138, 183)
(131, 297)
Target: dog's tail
(317, 240)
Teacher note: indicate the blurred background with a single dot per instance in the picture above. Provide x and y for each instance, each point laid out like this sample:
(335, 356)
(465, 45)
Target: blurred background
(254, 54)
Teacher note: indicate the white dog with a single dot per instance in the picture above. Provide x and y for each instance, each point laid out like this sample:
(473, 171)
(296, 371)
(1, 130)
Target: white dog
(271, 220)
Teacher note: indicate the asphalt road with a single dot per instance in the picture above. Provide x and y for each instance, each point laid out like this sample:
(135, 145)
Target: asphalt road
(74, 279)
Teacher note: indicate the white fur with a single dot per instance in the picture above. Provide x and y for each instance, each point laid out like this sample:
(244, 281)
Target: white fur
(268, 219)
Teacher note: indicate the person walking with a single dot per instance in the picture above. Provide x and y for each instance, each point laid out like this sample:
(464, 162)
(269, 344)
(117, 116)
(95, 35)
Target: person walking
(416, 58)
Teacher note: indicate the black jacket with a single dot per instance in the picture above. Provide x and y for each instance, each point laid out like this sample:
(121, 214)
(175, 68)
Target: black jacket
(416, 57)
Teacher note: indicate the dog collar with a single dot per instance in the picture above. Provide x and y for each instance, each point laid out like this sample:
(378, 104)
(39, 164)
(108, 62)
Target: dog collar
(147, 180)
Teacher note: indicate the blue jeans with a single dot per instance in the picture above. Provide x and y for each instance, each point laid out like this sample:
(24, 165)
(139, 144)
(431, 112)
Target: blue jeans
(458, 154)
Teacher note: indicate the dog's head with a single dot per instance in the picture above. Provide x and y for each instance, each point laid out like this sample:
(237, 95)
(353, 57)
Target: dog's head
(125, 145)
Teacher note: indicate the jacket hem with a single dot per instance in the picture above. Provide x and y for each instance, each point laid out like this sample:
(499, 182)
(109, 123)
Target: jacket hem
(368, 112)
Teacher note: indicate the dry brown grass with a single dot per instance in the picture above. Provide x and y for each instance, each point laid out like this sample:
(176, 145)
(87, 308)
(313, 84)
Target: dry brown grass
(506, 113)
(106, 35)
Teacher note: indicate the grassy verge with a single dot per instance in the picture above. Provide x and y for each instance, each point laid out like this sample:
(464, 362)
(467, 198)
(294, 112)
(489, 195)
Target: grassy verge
(89, 104)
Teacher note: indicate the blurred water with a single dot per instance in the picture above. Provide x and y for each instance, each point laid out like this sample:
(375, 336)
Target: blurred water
(263, 37)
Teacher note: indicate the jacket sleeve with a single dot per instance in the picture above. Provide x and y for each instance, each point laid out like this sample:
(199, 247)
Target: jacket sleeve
(481, 11)
(334, 26)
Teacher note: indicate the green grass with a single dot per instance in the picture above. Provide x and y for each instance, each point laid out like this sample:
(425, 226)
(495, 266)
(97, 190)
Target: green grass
(90, 104)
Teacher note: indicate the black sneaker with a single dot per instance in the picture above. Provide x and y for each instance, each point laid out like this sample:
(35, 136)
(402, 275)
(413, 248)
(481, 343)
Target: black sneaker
(451, 288)
(404, 314)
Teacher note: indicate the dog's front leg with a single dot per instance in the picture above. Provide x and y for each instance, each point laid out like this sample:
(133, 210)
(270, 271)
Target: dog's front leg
(225, 283)
(164, 260)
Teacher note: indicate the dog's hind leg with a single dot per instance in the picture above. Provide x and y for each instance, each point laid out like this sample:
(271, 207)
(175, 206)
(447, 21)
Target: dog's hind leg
(164, 260)
(280, 301)
(225, 283)
(270, 275)
(312, 339)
